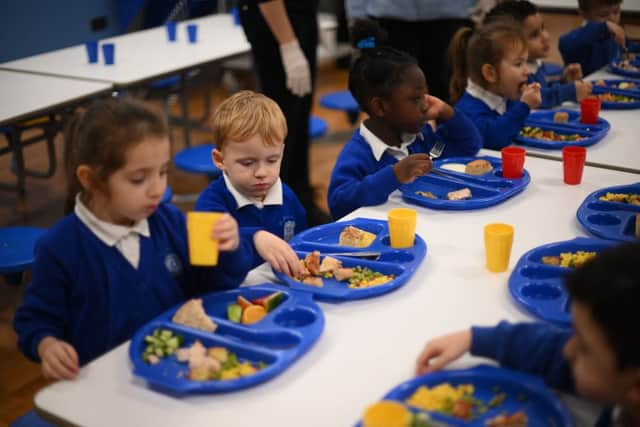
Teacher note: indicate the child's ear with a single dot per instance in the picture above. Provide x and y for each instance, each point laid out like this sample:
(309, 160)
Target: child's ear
(84, 173)
(217, 158)
(489, 73)
(377, 107)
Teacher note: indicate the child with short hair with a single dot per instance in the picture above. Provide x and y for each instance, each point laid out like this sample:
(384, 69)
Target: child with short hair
(599, 40)
(554, 92)
(390, 147)
(120, 258)
(489, 81)
(599, 359)
(249, 129)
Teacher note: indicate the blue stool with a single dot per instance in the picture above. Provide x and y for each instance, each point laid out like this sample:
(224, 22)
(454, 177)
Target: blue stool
(168, 194)
(31, 419)
(317, 127)
(16, 248)
(343, 101)
(197, 160)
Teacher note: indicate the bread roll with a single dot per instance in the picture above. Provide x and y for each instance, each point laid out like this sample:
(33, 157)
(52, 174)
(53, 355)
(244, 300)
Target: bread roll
(561, 117)
(355, 237)
(478, 167)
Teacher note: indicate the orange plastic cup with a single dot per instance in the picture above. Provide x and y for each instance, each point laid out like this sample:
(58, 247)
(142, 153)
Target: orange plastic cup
(402, 227)
(589, 110)
(498, 239)
(573, 159)
(203, 250)
(512, 162)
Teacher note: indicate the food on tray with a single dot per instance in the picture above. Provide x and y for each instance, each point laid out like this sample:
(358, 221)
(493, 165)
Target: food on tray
(427, 194)
(612, 97)
(461, 194)
(569, 259)
(249, 312)
(214, 363)
(389, 413)
(355, 237)
(161, 343)
(632, 199)
(627, 65)
(621, 85)
(358, 277)
(561, 117)
(192, 314)
(548, 135)
(517, 419)
(456, 167)
(478, 167)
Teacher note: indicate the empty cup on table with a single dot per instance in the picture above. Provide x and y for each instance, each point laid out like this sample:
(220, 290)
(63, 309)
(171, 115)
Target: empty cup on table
(92, 51)
(402, 227)
(498, 239)
(573, 159)
(589, 110)
(172, 27)
(192, 33)
(512, 162)
(203, 250)
(108, 52)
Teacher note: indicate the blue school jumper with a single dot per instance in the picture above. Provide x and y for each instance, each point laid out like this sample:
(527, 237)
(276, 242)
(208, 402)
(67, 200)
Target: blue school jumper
(284, 220)
(535, 348)
(358, 179)
(497, 131)
(592, 46)
(553, 91)
(87, 294)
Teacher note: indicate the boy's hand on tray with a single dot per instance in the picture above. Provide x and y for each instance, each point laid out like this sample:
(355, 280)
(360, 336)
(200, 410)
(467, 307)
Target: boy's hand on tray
(277, 253)
(59, 359)
(441, 351)
(411, 167)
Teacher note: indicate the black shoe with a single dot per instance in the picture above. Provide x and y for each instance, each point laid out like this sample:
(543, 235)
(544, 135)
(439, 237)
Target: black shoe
(316, 216)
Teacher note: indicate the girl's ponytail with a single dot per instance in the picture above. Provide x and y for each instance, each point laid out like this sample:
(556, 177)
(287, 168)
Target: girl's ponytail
(458, 59)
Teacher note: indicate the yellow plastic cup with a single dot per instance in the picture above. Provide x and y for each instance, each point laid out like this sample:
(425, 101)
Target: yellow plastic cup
(386, 413)
(498, 239)
(402, 227)
(203, 250)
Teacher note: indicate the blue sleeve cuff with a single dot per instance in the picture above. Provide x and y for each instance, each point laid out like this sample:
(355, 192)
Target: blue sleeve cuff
(483, 341)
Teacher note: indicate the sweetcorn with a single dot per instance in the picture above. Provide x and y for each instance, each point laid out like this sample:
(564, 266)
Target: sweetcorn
(439, 397)
(569, 259)
(632, 199)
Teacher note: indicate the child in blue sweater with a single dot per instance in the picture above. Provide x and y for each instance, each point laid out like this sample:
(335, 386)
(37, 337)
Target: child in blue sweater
(600, 39)
(490, 81)
(390, 147)
(120, 258)
(569, 87)
(249, 130)
(599, 359)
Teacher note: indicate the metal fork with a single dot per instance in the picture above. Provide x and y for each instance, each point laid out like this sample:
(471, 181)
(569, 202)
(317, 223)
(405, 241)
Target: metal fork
(436, 150)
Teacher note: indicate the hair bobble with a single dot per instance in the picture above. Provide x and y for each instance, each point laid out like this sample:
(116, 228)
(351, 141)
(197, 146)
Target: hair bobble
(366, 43)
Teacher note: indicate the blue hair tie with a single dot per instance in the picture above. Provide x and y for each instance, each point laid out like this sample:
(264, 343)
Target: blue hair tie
(367, 43)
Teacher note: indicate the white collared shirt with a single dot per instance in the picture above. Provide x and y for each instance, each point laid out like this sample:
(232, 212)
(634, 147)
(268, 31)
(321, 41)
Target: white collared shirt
(534, 66)
(379, 147)
(273, 196)
(125, 239)
(493, 101)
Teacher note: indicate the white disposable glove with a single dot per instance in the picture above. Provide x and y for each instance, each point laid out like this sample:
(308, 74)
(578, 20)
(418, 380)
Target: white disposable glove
(296, 67)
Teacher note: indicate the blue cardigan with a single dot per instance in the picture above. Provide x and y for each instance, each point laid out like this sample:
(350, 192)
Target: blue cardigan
(87, 294)
(283, 220)
(358, 179)
(553, 93)
(497, 130)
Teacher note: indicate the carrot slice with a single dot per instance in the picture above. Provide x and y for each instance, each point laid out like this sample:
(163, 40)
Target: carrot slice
(253, 314)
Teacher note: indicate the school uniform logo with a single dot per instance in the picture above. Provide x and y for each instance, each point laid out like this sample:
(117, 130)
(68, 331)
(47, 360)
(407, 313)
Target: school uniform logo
(289, 228)
(173, 264)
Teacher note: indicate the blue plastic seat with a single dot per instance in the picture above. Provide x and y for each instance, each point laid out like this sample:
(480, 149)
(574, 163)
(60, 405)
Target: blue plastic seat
(31, 419)
(342, 101)
(317, 127)
(17, 246)
(197, 160)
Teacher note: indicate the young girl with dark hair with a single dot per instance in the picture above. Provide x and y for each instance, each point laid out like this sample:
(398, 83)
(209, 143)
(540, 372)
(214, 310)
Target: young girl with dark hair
(120, 258)
(390, 147)
(490, 81)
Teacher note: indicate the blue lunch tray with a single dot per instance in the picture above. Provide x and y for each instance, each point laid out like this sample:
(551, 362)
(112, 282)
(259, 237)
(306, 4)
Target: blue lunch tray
(486, 190)
(523, 392)
(280, 338)
(402, 263)
(611, 86)
(538, 288)
(610, 220)
(544, 119)
(616, 69)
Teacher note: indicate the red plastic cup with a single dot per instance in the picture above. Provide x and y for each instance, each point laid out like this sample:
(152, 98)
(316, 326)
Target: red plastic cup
(512, 162)
(589, 110)
(573, 159)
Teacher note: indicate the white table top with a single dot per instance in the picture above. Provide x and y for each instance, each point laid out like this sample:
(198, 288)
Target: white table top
(24, 94)
(143, 55)
(619, 148)
(367, 347)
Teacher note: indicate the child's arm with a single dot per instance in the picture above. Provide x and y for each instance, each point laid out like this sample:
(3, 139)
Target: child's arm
(59, 359)
(499, 132)
(555, 94)
(588, 45)
(460, 136)
(277, 253)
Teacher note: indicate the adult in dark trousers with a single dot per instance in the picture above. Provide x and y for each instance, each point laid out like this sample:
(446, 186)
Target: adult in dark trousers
(422, 28)
(284, 38)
